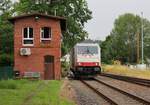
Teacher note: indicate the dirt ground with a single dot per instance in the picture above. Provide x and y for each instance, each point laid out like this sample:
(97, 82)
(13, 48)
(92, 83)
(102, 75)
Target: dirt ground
(67, 91)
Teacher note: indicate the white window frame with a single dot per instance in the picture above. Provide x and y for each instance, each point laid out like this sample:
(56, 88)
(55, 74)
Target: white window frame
(45, 39)
(27, 37)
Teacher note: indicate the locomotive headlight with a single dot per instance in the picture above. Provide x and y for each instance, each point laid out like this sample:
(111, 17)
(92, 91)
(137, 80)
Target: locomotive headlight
(79, 64)
(96, 64)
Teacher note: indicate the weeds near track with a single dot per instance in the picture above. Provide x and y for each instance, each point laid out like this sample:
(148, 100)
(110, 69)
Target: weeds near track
(124, 70)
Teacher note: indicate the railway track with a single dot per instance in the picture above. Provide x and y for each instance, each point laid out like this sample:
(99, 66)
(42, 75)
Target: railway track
(139, 81)
(100, 93)
(133, 98)
(140, 99)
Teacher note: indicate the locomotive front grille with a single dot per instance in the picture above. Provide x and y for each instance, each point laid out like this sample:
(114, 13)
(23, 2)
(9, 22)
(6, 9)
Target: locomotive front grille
(87, 70)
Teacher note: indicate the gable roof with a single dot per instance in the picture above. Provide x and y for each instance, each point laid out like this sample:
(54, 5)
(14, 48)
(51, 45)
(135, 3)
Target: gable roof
(62, 19)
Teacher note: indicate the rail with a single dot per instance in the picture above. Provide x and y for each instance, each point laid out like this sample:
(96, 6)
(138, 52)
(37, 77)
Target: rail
(139, 81)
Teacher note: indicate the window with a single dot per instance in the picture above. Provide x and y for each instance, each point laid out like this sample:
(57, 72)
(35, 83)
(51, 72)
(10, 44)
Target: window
(87, 50)
(28, 36)
(45, 33)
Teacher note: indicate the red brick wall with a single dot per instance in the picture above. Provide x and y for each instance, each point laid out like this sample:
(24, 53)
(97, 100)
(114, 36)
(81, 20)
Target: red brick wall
(35, 62)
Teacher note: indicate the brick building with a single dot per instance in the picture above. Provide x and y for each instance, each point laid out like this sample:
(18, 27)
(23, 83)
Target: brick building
(37, 45)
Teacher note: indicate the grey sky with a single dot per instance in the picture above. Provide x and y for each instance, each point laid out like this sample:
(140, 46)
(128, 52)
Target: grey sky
(106, 11)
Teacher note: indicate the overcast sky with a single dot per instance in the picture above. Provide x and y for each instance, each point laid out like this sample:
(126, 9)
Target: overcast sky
(106, 11)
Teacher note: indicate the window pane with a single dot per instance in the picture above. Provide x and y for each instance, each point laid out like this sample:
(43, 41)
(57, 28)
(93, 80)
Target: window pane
(30, 32)
(87, 50)
(28, 42)
(25, 33)
(46, 32)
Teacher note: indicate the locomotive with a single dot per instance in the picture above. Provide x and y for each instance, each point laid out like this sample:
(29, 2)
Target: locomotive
(85, 60)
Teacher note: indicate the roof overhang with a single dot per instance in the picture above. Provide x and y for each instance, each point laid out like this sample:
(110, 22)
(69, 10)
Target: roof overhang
(62, 19)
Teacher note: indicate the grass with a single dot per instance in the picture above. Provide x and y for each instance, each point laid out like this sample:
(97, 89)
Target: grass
(15, 96)
(51, 95)
(11, 84)
(123, 70)
(19, 92)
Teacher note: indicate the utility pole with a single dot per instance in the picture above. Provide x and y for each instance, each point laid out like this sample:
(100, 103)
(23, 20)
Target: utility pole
(138, 44)
(142, 32)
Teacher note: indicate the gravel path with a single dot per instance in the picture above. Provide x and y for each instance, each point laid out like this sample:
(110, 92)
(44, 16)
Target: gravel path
(135, 89)
(86, 96)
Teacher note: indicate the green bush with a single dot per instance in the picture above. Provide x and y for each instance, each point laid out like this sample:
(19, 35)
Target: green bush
(8, 84)
(65, 68)
(6, 60)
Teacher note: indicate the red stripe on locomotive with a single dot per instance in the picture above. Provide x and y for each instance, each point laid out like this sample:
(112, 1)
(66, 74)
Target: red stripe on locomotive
(88, 64)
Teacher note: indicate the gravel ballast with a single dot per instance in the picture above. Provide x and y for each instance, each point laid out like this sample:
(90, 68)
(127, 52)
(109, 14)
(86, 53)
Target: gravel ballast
(135, 89)
(85, 96)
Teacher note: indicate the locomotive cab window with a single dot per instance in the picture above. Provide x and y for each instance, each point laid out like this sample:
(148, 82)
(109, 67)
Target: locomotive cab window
(27, 36)
(87, 50)
(45, 33)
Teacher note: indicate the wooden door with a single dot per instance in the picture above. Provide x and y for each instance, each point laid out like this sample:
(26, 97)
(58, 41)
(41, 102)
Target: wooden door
(49, 67)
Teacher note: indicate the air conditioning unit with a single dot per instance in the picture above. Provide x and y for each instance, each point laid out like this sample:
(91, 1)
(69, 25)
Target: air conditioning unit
(25, 51)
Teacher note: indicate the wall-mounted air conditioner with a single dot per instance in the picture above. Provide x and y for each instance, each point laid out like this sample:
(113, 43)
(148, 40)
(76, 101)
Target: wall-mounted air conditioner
(25, 51)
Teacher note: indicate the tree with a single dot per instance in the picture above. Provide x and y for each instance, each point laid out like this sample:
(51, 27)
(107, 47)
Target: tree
(6, 33)
(126, 27)
(5, 5)
(146, 39)
(75, 11)
(122, 42)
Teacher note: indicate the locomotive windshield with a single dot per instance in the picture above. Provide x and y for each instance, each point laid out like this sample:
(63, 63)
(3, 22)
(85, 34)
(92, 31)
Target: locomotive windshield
(87, 49)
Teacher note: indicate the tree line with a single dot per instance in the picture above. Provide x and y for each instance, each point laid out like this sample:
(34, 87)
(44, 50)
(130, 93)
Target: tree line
(124, 41)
